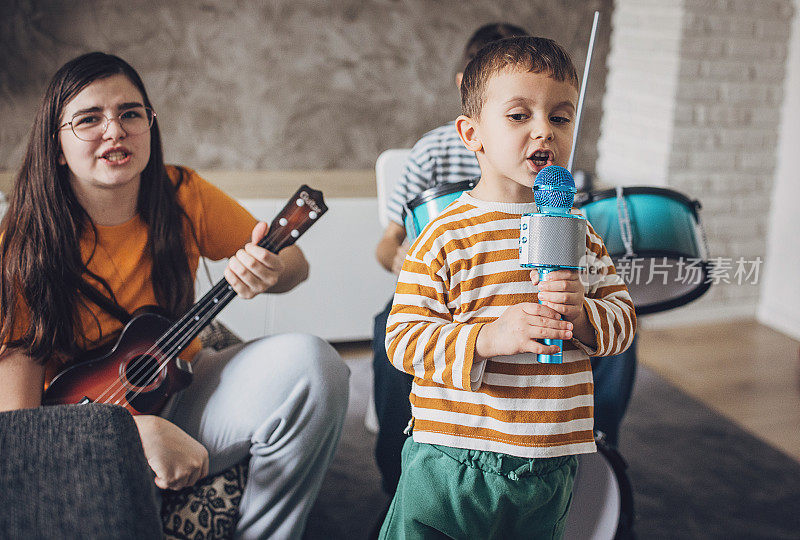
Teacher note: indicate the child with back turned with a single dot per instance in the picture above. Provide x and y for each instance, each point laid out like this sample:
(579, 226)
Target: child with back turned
(495, 433)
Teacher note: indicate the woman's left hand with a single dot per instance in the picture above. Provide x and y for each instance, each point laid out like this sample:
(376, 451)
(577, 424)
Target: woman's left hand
(254, 270)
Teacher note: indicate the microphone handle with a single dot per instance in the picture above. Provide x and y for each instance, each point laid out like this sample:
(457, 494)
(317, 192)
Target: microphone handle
(549, 358)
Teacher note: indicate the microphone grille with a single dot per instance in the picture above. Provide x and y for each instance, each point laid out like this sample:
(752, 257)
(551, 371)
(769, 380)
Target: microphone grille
(554, 187)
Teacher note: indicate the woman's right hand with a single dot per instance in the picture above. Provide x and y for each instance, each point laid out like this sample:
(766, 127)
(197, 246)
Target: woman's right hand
(177, 459)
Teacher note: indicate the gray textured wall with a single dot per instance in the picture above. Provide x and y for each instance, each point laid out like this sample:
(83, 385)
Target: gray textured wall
(286, 84)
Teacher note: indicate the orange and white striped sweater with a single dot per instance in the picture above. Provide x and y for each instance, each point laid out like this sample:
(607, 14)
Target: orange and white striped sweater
(462, 272)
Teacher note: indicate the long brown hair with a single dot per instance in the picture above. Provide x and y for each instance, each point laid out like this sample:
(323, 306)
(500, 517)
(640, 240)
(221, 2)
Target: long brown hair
(40, 257)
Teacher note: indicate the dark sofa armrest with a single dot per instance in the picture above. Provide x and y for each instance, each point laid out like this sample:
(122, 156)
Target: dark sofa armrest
(75, 471)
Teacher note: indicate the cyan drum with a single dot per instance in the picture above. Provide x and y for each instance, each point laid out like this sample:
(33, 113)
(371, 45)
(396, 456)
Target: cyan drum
(656, 241)
(420, 210)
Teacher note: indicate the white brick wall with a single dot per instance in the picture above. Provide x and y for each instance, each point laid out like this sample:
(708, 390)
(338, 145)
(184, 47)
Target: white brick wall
(636, 131)
(694, 93)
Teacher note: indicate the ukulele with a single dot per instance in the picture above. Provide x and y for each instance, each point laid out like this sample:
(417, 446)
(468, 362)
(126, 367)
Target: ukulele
(142, 369)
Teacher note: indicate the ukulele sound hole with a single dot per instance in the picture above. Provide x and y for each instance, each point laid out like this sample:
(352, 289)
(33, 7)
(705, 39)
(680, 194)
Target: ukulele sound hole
(142, 370)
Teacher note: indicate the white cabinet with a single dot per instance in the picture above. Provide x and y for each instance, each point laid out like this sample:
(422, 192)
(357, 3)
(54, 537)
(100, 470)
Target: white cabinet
(346, 285)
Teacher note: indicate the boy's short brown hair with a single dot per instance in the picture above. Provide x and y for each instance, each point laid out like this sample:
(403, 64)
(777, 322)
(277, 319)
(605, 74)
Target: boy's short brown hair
(532, 54)
(487, 34)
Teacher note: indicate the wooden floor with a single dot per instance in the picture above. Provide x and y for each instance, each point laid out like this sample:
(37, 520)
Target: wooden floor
(744, 370)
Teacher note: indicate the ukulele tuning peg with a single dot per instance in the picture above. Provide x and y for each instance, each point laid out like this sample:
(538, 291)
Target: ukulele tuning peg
(299, 202)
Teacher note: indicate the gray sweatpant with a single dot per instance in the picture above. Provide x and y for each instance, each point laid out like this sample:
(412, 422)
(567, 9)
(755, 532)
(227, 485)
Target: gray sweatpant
(281, 401)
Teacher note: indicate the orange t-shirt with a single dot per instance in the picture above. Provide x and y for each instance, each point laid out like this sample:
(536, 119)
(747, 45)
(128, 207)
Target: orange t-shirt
(121, 256)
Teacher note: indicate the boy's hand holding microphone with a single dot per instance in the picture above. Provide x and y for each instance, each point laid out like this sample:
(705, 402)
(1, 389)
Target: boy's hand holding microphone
(518, 330)
(553, 242)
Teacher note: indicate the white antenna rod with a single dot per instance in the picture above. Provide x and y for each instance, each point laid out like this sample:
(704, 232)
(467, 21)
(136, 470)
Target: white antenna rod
(583, 89)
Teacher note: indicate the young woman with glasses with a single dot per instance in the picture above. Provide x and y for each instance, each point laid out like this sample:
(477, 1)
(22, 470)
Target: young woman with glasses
(95, 209)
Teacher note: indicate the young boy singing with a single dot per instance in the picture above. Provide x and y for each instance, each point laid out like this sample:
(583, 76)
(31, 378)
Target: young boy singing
(495, 433)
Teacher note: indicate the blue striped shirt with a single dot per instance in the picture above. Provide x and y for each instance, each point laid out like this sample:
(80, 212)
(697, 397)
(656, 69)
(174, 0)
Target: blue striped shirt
(439, 157)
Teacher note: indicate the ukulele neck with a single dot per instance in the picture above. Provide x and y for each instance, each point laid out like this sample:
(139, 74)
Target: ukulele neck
(200, 315)
(302, 210)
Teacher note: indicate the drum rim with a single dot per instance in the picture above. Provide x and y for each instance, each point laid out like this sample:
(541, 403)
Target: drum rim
(666, 305)
(437, 191)
(600, 194)
(619, 465)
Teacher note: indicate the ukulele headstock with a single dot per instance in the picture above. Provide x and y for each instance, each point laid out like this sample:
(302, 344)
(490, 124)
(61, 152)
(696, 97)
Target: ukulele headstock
(302, 210)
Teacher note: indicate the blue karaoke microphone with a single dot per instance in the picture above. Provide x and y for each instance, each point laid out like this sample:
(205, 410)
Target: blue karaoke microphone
(552, 238)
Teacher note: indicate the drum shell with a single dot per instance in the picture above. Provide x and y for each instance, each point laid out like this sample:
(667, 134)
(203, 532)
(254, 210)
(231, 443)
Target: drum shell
(602, 505)
(421, 210)
(660, 225)
(665, 236)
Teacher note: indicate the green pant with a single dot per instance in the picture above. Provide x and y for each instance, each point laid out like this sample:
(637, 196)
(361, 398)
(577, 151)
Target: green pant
(464, 494)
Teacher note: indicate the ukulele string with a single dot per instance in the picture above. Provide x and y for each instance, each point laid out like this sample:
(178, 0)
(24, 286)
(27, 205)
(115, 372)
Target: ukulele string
(159, 348)
(166, 348)
(173, 349)
(198, 316)
(195, 322)
(174, 334)
(192, 316)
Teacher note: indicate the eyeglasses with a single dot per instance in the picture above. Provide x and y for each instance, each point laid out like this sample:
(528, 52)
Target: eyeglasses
(93, 125)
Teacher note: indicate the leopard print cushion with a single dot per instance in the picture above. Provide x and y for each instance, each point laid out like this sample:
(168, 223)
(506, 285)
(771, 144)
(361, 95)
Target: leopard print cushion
(218, 336)
(208, 509)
